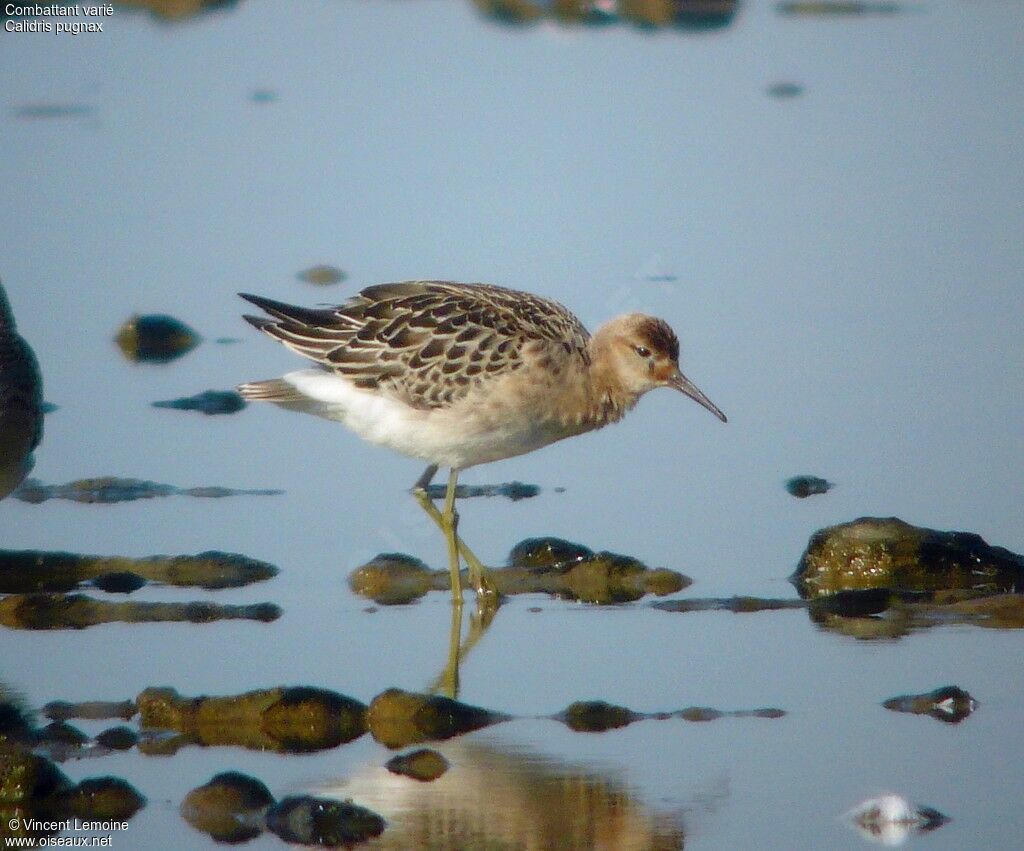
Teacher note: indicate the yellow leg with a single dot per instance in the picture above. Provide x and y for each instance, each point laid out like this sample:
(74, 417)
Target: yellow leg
(477, 572)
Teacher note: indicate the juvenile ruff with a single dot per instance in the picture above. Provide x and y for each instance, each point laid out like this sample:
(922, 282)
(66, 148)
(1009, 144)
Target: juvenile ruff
(463, 374)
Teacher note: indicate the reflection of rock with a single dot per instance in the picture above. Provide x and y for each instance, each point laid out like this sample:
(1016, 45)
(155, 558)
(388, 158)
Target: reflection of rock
(155, 338)
(109, 489)
(890, 819)
(399, 718)
(305, 820)
(77, 611)
(21, 402)
(293, 720)
(537, 565)
(423, 765)
(888, 553)
(25, 571)
(493, 798)
(949, 703)
(228, 808)
(209, 402)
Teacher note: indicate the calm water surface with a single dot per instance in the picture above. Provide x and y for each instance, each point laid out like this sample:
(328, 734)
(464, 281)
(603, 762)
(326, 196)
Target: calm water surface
(847, 282)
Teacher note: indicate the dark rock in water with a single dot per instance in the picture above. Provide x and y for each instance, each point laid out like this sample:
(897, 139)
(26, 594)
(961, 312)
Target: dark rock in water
(293, 720)
(596, 716)
(949, 703)
(229, 807)
(876, 553)
(103, 799)
(784, 90)
(110, 489)
(398, 718)
(891, 819)
(700, 713)
(805, 486)
(514, 491)
(210, 402)
(737, 605)
(118, 738)
(547, 552)
(26, 778)
(320, 821)
(392, 579)
(155, 338)
(852, 604)
(60, 710)
(64, 733)
(423, 765)
(21, 402)
(322, 275)
(119, 582)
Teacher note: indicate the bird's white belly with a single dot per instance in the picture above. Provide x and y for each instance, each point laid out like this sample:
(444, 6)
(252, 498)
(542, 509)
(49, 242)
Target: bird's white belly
(460, 438)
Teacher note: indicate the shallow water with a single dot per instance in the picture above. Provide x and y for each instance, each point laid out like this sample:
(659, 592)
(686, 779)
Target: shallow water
(843, 266)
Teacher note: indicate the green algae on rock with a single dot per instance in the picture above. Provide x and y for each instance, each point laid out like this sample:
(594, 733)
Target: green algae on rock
(155, 338)
(28, 571)
(424, 765)
(291, 720)
(77, 611)
(399, 718)
(229, 807)
(874, 552)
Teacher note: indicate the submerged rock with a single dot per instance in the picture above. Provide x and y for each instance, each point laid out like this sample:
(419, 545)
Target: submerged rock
(322, 275)
(596, 716)
(949, 703)
(839, 8)
(26, 571)
(647, 14)
(876, 552)
(423, 765)
(209, 402)
(230, 807)
(110, 489)
(514, 491)
(64, 733)
(293, 720)
(392, 579)
(320, 821)
(59, 710)
(155, 338)
(102, 799)
(118, 738)
(399, 718)
(804, 486)
(77, 611)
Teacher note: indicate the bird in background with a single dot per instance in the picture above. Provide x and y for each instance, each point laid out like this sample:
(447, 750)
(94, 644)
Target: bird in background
(463, 374)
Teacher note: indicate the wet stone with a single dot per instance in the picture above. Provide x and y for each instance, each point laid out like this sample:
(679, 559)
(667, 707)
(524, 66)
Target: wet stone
(294, 720)
(229, 807)
(596, 716)
(320, 821)
(63, 733)
(322, 275)
(103, 799)
(26, 778)
(118, 738)
(423, 765)
(210, 402)
(888, 553)
(950, 704)
(119, 582)
(155, 338)
(395, 578)
(398, 718)
(804, 486)
(547, 552)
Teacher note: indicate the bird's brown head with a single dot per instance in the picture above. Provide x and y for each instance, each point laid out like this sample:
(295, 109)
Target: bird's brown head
(641, 353)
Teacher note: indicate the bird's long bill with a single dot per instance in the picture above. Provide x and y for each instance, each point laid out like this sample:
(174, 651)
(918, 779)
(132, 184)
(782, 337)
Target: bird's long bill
(683, 384)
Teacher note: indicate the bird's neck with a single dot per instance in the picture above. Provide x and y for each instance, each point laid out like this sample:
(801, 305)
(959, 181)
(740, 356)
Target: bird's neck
(604, 399)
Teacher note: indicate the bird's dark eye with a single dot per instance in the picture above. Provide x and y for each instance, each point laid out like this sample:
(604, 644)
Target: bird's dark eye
(643, 351)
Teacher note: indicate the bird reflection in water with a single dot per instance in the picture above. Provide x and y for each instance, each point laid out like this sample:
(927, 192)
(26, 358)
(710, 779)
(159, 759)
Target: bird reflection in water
(21, 402)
